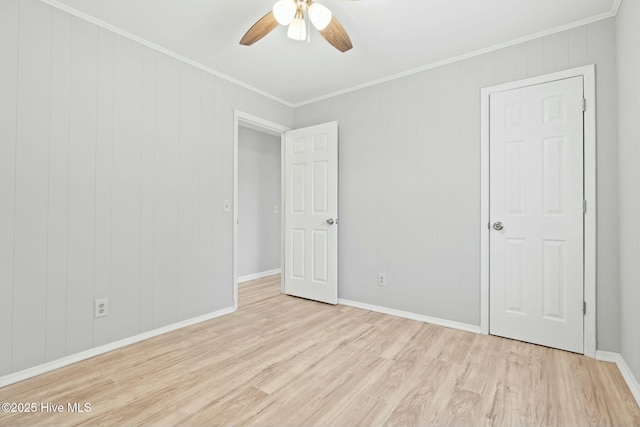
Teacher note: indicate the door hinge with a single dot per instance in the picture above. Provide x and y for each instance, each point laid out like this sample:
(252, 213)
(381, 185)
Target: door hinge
(584, 104)
(584, 308)
(584, 206)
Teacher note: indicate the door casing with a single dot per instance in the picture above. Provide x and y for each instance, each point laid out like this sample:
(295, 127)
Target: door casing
(588, 74)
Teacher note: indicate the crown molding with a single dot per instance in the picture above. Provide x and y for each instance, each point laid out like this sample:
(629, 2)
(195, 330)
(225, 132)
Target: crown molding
(158, 48)
(616, 7)
(55, 3)
(473, 54)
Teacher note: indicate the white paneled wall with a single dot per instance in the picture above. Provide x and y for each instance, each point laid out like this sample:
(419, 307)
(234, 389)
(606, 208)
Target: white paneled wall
(410, 177)
(114, 163)
(629, 174)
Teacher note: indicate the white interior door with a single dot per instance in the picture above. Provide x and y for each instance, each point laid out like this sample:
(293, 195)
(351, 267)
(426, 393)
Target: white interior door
(536, 213)
(311, 210)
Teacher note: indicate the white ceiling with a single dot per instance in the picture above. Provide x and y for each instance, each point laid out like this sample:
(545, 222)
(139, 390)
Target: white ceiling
(389, 36)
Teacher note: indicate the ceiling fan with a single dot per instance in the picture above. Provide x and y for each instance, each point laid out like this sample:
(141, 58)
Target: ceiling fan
(292, 13)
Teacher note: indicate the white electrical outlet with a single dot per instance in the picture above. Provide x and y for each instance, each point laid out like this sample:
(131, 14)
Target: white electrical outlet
(382, 279)
(102, 307)
(275, 209)
(226, 206)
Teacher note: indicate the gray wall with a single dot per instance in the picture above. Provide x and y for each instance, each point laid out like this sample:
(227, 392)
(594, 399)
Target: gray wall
(628, 21)
(258, 193)
(114, 164)
(410, 178)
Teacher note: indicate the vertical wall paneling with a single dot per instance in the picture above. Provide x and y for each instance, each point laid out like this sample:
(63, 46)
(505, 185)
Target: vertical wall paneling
(189, 192)
(486, 71)
(104, 172)
(628, 34)
(166, 191)
(224, 181)
(535, 57)
(504, 64)
(413, 221)
(82, 162)
(578, 52)
(147, 190)
(32, 163)
(600, 39)
(393, 233)
(207, 156)
(470, 188)
(351, 225)
(114, 162)
(520, 62)
(58, 187)
(370, 215)
(214, 95)
(9, 30)
(125, 217)
(450, 178)
(227, 91)
(556, 52)
(425, 294)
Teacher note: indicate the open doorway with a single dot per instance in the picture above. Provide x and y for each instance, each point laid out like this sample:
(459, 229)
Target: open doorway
(259, 182)
(258, 205)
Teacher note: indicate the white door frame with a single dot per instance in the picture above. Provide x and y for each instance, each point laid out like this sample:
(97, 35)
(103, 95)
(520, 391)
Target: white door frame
(588, 74)
(256, 123)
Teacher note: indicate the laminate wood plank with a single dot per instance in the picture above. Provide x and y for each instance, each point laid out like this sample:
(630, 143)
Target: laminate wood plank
(282, 360)
(427, 398)
(620, 395)
(484, 365)
(464, 408)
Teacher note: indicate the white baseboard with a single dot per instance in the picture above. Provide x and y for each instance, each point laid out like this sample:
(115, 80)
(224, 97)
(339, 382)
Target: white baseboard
(68, 360)
(631, 380)
(258, 275)
(413, 316)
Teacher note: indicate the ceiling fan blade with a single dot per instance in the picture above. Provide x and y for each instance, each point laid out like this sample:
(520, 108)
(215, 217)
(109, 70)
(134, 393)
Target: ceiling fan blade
(264, 26)
(337, 36)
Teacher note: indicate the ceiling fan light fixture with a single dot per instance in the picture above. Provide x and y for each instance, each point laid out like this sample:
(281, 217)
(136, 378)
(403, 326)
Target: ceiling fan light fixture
(298, 27)
(284, 11)
(320, 16)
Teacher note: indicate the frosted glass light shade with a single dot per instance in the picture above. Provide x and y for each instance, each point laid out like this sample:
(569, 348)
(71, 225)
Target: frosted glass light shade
(320, 16)
(284, 11)
(297, 29)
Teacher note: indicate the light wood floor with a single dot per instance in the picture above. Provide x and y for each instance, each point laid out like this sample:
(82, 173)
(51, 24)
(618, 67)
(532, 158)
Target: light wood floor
(287, 361)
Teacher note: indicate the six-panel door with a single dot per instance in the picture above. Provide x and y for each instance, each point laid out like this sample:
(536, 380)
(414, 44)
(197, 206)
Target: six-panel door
(536, 194)
(311, 210)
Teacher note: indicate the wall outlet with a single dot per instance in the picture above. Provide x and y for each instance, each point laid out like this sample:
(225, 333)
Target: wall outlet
(382, 279)
(276, 209)
(101, 307)
(226, 206)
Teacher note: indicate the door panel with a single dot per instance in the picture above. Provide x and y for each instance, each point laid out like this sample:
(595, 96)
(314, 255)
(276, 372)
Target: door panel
(536, 193)
(311, 185)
